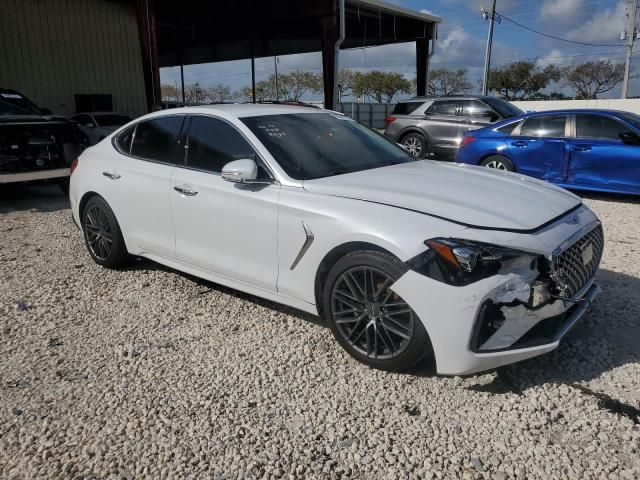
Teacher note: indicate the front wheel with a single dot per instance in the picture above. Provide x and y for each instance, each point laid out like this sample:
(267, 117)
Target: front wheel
(498, 162)
(369, 320)
(102, 234)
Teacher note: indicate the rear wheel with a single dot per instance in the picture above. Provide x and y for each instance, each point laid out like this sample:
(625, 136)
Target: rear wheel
(498, 162)
(370, 321)
(415, 144)
(102, 234)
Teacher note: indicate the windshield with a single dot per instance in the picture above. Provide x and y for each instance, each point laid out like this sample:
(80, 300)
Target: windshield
(111, 120)
(502, 107)
(316, 145)
(9, 109)
(16, 99)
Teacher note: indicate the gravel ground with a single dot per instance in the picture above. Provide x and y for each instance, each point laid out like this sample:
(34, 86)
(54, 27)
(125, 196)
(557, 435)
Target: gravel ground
(148, 373)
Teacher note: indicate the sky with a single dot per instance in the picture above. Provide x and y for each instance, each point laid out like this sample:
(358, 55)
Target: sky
(462, 40)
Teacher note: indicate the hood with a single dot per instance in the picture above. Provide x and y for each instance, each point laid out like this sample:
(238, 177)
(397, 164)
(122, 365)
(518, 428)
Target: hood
(476, 197)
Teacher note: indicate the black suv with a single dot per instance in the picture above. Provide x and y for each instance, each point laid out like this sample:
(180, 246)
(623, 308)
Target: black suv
(434, 126)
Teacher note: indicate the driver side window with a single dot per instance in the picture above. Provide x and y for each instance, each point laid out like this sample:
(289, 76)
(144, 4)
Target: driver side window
(599, 126)
(212, 143)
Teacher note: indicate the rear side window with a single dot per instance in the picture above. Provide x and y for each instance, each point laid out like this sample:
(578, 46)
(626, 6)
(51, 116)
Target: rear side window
(444, 107)
(405, 108)
(598, 126)
(213, 143)
(123, 140)
(474, 108)
(157, 139)
(544, 126)
(508, 129)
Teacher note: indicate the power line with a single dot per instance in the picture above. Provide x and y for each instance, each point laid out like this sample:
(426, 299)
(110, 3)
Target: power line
(560, 38)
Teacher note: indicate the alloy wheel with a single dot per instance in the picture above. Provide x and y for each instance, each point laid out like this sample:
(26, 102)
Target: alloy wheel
(497, 164)
(413, 145)
(98, 232)
(370, 317)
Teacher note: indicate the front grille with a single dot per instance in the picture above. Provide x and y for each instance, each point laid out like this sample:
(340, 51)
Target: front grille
(577, 265)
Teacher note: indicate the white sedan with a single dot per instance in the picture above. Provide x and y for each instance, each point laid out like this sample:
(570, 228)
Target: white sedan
(404, 259)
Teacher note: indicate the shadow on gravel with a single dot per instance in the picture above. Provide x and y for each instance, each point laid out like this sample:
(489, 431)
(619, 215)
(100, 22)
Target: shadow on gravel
(207, 287)
(606, 338)
(608, 197)
(42, 198)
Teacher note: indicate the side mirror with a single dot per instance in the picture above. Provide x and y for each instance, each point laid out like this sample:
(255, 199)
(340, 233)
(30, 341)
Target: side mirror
(90, 125)
(630, 138)
(240, 171)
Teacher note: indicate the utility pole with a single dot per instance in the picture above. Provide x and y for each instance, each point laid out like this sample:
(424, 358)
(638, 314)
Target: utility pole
(632, 37)
(275, 65)
(487, 55)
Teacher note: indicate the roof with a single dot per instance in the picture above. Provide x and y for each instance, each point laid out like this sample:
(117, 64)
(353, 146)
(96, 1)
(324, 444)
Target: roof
(568, 111)
(244, 110)
(396, 9)
(447, 97)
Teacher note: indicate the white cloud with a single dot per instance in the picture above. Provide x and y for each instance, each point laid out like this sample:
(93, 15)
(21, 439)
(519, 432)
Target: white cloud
(560, 9)
(554, 57)
(604, 27)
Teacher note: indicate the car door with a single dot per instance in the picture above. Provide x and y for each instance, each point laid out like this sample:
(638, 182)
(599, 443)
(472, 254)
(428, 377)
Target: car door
(443, 126)
(226, 228)
(599, 158)
(475, 114)
(539, 147)
(135, 183)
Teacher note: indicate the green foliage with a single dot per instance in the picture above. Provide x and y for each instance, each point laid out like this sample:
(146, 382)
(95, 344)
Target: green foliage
(291, 86)
(380, 86)
(522, 80)
(593, 78)
(448, 82)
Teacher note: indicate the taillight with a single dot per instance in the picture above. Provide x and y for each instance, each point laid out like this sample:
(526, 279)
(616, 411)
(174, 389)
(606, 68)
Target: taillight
(73, 166)
(466, 140)
(388, 121)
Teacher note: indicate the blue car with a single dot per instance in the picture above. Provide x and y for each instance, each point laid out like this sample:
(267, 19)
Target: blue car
(577, 149)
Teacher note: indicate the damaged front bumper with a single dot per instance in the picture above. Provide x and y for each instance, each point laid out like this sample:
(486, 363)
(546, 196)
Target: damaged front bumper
(456, 320)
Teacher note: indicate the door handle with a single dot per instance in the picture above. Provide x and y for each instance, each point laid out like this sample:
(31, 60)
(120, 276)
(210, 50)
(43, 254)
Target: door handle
(520, 144)
(581, 148)
(186, 191)
(111, 175)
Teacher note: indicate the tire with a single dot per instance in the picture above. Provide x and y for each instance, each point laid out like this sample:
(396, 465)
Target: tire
(415, 144)
(102, 234)
(358, 320)
(499, 163)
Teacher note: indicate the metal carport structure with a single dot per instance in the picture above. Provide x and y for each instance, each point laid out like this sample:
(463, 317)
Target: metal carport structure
(192, 32)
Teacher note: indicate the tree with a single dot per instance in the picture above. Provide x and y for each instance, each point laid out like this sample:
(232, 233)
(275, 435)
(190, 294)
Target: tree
(590, 79)
(292, 86)
(245, 94)
(220, 93)
(380, 86)
(522, 80)
(448, 82)
(169, 92)
(195, 93)
(346, 78)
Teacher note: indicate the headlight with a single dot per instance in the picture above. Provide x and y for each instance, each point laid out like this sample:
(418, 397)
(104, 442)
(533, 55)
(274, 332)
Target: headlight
(461, 262)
